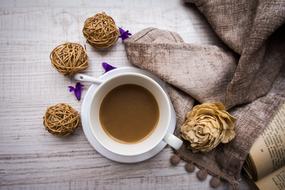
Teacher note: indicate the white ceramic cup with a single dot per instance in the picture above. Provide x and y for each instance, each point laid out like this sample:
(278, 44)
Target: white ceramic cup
(160, 132)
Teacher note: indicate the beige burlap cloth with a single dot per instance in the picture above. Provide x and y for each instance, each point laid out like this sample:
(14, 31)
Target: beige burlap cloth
(248, 77)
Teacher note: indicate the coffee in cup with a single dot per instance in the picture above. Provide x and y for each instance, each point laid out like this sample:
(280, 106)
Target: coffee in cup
(129, 113)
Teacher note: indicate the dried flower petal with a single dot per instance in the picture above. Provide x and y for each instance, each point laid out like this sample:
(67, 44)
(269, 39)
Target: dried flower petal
(107, 67)
(124, 34)
(77, 90)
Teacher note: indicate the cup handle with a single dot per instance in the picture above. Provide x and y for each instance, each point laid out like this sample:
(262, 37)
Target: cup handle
(86, 78)
(173, 141)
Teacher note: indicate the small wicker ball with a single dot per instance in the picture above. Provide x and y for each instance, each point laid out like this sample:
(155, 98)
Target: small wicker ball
(69, 58)
(101, 31)
(61, 119)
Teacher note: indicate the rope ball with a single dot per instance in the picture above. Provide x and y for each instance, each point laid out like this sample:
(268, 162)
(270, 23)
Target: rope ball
(61, 119)
(101, 31)
(69, 58)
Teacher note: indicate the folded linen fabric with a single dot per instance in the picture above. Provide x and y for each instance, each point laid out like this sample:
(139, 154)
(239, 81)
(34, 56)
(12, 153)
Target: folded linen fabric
(249, 77)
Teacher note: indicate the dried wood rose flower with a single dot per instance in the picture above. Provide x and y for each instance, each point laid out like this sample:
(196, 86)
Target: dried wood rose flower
(208, 125)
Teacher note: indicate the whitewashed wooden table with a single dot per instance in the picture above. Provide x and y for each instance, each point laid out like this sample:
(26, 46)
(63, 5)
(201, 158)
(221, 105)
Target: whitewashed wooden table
(30, 157)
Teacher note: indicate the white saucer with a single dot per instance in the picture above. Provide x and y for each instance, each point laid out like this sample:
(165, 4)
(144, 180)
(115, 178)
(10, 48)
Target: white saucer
(91, 138)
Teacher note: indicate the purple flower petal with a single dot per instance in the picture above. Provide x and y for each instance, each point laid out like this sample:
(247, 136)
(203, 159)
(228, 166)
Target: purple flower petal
(71, 88)
(79, 86)
(124, 34)
(77, 90)
(77, 94)
(107, 67)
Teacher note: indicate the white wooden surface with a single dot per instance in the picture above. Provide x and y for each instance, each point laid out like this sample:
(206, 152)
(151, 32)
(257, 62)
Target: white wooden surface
(30, 157)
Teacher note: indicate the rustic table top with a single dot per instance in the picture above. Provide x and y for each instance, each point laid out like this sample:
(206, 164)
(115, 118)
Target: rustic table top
(30, 157)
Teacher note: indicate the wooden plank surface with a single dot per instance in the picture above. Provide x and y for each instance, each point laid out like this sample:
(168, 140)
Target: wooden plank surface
(31, 158)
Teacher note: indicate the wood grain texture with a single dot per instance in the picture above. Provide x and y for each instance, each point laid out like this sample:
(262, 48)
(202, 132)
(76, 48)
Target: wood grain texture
(30, 157)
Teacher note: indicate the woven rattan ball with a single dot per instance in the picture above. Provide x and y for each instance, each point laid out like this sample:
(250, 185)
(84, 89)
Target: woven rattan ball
(61, 119)
(101, 31)
(69, 58)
